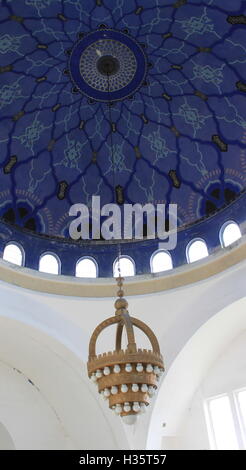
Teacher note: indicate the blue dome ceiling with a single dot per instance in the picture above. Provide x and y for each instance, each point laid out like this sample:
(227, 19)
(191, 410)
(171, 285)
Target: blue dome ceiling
(171, 108)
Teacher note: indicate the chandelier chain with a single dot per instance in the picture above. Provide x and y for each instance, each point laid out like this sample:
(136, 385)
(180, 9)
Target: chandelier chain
(114, 169)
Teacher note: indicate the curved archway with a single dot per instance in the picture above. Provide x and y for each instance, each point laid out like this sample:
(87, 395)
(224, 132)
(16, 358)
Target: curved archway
(6, 441)
(229, 233)
(86, 267)
(190, 366)
(127, 266)
(14, 253)
(48, 366)
(161, 261)
(196, 250)
(49, 263)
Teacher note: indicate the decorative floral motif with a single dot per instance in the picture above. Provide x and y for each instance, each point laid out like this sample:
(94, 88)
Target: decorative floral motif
(107, 65)
(158, 144)
(198, 25)
(39, 4)
(217, 196)
(192, 116)
(22, 215)
(72, 153)
(111, 48)
(32, 134)
(9, 93)
(209, 74)
(119, 158)
(9, 43)
(182, 111)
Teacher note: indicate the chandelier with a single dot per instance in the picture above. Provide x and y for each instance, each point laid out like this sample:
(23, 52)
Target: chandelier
(127, 378)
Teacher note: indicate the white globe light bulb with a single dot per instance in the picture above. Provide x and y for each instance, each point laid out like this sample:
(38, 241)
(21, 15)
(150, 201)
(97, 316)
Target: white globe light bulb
(98, 374)
(135, 387)
(106, 392)
(139, 367)
(128, 368)
(106, 370)
(149, 368)
(114, 390)
(129, 419)
(116, 369)
(144, 388)
(124, 388)
(136, 407)
(127, 407)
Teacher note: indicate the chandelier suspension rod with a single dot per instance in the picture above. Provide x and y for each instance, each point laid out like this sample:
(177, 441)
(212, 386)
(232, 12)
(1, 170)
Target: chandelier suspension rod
(114, 169)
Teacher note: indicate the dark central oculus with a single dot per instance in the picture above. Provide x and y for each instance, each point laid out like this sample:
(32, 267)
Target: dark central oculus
(107, 65)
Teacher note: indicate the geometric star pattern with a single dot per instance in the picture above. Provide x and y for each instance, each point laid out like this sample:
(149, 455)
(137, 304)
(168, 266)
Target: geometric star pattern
(180, 138)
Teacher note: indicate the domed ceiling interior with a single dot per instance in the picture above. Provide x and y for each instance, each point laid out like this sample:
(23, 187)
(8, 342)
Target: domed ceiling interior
(142, 100)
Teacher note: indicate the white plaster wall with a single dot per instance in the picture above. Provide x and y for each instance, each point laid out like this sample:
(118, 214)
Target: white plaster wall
(25, 413)
(190, 367)
(6, 441)
(61, 392)
(227, 374)
(46, 337)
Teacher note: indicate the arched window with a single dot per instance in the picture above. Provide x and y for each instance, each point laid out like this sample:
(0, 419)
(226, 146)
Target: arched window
(229, 233)
(86, 267)
(161, 261)
(196, 249)
(14, 254)
(127, 267)
(49, 263)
